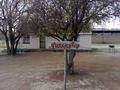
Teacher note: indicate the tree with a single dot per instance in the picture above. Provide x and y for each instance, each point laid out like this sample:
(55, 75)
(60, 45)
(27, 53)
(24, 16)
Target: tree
(65, 19)
(12, 19)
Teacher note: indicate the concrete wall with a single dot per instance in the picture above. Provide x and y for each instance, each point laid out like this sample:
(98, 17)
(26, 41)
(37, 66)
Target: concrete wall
(110, 39)
(84, 41)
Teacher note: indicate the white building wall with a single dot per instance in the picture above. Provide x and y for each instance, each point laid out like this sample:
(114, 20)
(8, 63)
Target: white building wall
(84, 41)
(2, 44)
(34, 43)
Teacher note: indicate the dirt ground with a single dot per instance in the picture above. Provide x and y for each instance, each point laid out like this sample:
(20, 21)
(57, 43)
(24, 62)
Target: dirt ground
(44, 71)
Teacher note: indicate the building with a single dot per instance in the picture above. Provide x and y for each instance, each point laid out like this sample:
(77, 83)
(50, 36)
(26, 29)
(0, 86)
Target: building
(99, 35)
(102, 35)
(84, 40)
(31, 41)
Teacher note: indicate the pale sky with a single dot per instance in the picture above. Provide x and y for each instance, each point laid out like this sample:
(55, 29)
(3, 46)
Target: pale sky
(112, 24)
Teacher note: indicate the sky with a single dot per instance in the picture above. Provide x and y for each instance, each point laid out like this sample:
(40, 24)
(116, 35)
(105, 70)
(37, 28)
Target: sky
(111, 24)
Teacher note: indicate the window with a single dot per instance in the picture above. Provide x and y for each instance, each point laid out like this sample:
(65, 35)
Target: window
(26, 39)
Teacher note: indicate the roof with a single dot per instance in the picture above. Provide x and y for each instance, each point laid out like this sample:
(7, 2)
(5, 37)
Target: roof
(103, 30)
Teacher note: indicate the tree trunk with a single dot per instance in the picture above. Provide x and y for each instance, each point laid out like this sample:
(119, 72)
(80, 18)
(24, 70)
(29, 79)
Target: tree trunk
(16, 44)
(12, 40)
(7, 45)
(13, 51)
(70, 58)
(70, 61)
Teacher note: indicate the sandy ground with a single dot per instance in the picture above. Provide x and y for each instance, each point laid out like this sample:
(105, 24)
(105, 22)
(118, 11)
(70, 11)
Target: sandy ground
(44, 71)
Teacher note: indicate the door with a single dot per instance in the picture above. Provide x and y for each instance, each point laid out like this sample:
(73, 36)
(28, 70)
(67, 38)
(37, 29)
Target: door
(42, 41)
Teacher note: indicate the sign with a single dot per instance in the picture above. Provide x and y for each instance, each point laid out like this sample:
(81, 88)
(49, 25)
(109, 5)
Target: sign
(65, 45)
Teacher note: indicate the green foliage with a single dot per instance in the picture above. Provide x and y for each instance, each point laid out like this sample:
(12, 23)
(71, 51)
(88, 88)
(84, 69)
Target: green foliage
(87, 28)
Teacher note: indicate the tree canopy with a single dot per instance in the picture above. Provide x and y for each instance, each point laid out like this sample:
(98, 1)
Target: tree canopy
(65, 19)
(12, 18)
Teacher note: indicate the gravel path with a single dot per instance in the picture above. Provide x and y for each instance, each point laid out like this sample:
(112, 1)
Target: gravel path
(44, 71)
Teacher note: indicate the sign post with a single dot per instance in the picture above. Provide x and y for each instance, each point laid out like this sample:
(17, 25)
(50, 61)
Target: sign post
(64, 45)
(65, 68)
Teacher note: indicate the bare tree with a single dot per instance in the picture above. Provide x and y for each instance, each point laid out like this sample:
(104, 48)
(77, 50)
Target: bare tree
(12, 13)
(65, 19)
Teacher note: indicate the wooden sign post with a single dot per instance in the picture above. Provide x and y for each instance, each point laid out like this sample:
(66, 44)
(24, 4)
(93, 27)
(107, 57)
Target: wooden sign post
(65, 68)
(64, 45)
